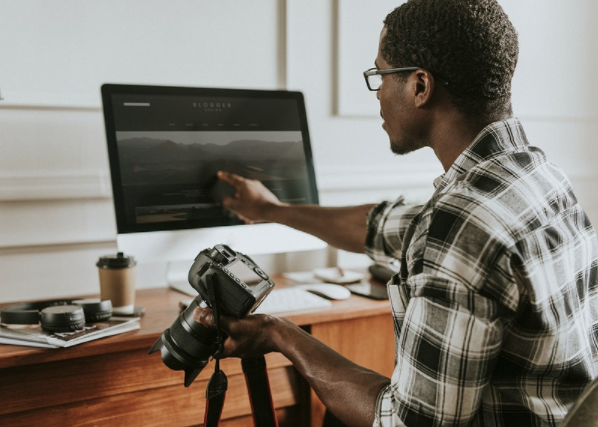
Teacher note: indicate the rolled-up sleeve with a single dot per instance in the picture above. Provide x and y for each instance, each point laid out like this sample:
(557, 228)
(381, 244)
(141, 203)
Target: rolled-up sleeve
(387, 223)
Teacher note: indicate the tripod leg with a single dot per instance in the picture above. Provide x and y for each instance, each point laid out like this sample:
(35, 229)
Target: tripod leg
(260, 395)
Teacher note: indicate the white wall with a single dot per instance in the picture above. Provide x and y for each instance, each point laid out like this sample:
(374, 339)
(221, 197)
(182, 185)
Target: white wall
(55, 200)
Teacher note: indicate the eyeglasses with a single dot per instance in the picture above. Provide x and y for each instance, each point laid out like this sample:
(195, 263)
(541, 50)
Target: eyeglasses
(373, 76)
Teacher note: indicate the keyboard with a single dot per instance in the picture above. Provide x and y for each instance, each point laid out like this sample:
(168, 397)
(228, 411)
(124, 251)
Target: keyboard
(291, 299)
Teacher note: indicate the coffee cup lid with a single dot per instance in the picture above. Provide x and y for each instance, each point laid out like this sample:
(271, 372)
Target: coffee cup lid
(116, 261)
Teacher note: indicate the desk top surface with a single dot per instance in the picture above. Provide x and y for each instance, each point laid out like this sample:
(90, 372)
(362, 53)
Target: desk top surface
(162, 307)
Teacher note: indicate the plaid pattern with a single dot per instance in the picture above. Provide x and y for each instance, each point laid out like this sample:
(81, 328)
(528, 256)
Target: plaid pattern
(496, 305)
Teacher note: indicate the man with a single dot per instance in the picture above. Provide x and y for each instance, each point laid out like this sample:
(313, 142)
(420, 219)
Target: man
(493, 305)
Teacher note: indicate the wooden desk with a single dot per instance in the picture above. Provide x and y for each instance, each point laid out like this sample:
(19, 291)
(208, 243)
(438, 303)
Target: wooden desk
(114, 382)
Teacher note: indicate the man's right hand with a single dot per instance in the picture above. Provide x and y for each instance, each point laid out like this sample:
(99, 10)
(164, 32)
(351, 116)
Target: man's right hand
(252, 201)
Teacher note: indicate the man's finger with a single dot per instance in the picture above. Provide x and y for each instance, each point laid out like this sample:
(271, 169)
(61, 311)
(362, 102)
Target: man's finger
(229, 203)
(230, 178)
(205, 317)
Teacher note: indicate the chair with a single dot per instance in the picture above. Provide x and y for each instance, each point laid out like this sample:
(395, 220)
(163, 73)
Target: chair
(584, 412)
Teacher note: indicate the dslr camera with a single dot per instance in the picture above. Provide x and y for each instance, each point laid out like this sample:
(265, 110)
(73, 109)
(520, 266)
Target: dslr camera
(228, 282)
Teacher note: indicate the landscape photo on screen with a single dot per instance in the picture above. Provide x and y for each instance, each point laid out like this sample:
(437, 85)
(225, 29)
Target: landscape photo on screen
(171, 175)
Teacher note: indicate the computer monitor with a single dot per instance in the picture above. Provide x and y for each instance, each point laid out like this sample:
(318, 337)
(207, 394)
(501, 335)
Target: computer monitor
(165, 146)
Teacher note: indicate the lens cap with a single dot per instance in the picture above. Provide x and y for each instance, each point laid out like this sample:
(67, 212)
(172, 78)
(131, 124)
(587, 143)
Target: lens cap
(63, 318)
(95, 310)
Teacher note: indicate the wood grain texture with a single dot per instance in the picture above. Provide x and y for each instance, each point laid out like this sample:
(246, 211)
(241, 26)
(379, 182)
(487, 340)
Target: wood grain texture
(113, 381)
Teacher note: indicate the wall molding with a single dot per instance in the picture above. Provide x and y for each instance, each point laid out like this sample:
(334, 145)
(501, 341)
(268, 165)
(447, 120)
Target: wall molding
(367, 177)
(50, 104)
(73, 184)
(41, 248)
(84, 184)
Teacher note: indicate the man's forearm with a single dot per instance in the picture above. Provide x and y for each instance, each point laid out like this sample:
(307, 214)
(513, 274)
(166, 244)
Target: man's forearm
(342, 227)
(348, 390)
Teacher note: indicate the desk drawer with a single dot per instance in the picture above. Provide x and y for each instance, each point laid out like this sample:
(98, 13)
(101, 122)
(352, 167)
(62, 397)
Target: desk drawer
(132, 388)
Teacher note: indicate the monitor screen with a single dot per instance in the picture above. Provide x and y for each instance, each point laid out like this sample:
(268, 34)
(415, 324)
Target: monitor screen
(166, 144)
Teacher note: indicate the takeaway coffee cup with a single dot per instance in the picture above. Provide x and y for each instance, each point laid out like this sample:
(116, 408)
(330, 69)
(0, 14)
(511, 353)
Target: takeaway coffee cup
(117, 281)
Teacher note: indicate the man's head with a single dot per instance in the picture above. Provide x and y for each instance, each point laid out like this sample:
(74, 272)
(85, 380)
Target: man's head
(469, 43)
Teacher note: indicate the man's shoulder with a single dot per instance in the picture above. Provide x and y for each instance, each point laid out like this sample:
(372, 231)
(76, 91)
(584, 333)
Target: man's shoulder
(464, 216)
(505, 197)
(493, 197)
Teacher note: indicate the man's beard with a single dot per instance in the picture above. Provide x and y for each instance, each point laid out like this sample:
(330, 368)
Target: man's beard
(405, 147)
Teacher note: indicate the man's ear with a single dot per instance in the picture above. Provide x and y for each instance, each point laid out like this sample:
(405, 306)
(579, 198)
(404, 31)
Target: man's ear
(424, 87)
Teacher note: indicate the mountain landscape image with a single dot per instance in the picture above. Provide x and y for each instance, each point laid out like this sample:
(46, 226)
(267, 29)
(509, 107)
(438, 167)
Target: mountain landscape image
(159, 172)
(146, 161)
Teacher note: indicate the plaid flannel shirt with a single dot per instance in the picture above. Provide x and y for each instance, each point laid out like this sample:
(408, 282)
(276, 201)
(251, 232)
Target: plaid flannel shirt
(496, 307)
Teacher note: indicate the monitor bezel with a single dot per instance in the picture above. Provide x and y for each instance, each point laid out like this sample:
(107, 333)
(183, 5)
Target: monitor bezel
(110, 89)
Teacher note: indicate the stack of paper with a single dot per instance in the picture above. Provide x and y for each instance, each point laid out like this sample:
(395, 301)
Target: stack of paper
(34, 336)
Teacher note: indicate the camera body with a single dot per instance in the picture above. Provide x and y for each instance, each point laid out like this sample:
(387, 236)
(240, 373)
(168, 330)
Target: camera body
(242, 285)
(238, 285)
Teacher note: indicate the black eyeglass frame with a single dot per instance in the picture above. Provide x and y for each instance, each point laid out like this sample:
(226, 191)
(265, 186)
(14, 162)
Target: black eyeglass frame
(376, 72)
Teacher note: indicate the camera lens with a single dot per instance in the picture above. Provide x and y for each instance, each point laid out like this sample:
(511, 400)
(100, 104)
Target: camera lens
(187, 345)
(234, 290)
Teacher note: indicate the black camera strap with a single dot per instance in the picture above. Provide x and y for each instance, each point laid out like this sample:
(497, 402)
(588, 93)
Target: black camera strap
(218, 384)
(215, 394)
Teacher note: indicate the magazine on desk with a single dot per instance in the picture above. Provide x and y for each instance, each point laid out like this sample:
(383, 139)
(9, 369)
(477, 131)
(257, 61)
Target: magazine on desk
(34, 336)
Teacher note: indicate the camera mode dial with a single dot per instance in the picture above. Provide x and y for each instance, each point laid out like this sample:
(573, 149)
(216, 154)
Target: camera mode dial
(261, 273)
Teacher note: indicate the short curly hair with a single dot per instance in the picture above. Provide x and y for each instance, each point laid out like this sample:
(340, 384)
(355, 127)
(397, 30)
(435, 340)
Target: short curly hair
(469, 43)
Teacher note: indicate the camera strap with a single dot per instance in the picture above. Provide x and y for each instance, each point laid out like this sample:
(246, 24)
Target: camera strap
(218, 384)
(215, 394)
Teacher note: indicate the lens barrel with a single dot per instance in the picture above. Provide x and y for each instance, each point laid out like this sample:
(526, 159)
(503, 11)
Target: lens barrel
(187, 345)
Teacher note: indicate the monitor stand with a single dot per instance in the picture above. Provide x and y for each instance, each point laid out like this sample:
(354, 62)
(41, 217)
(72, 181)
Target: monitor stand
(177, 273)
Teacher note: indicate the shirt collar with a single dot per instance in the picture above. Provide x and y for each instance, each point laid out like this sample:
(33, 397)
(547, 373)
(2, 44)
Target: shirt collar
(494, 139)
